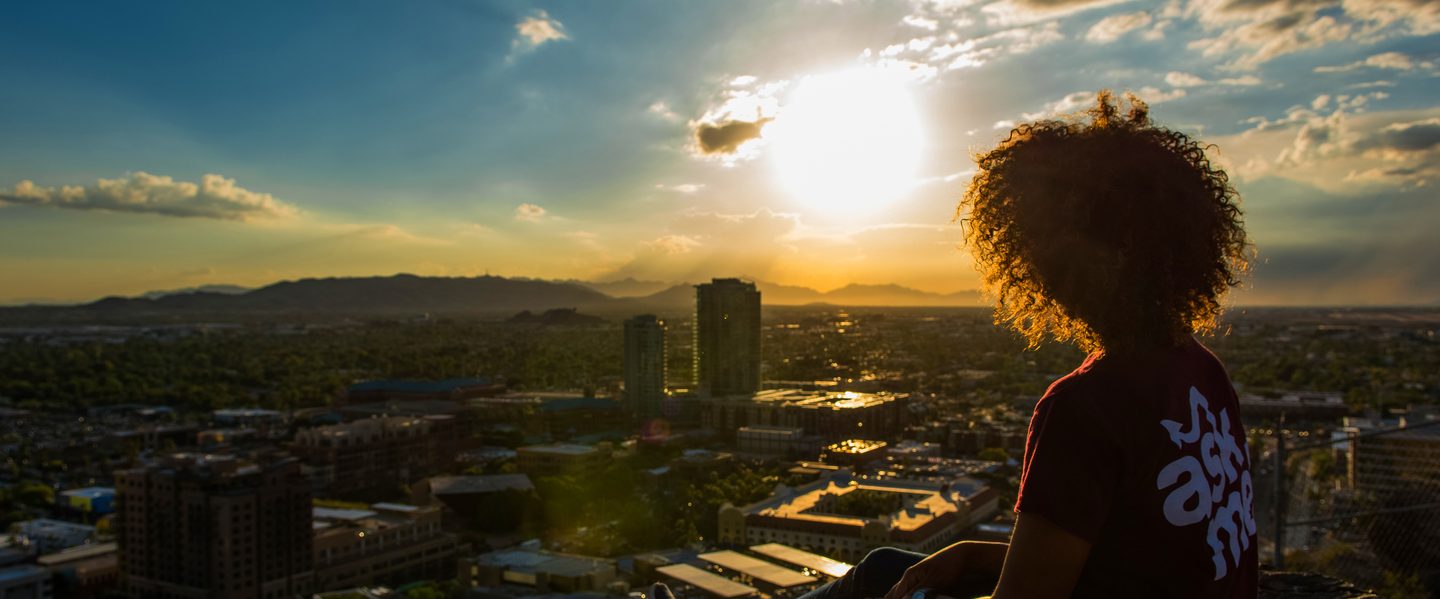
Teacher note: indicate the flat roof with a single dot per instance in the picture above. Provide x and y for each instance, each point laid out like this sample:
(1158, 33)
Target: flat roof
(77, 553)
(759, 569)
(560, 448)
(330, 513)
(804, 559)
(91, 492)
(715, 585)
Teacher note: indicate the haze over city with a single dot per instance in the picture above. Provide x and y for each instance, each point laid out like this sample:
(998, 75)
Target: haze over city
(185, 145)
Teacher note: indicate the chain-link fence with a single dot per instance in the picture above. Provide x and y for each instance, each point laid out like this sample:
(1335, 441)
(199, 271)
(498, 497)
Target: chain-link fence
(1361, 505)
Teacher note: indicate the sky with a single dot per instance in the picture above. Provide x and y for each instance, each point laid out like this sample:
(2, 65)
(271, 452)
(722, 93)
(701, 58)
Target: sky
(171, 145)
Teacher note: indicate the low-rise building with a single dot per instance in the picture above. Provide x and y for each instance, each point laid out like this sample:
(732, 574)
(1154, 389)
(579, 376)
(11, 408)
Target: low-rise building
(91, 501)
(775, 442)
(560, 458)
(387, 543)
(492, 503)
(1294, 405)
(845, 516)
(359, 457)
(830, 415)
(855, 453)
(25, 582)
(84, 572)
(541, 571)
(49, 536)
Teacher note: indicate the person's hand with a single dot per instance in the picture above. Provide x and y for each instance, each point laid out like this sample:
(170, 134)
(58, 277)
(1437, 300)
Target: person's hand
(959, 567)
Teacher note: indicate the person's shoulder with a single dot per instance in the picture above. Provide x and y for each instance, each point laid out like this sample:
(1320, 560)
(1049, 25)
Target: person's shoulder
(1076, 390)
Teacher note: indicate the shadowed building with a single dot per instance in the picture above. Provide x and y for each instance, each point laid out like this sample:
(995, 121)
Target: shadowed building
(374, 455)
(196, 525)
(386, 543)
(645, 365)
(727, 337)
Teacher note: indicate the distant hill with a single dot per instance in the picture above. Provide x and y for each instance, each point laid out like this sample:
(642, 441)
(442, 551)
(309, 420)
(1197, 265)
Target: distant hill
(221, 289)
(627, 287)
(410, 294)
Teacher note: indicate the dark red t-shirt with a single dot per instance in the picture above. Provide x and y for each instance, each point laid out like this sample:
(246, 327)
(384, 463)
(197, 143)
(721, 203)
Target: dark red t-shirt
(1146, 458)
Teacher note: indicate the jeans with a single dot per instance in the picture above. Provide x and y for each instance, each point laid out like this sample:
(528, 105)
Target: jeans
(872, 577)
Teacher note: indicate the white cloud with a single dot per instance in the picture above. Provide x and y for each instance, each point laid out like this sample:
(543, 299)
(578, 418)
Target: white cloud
(214, 197)
(1243, 80)
(662, 109)
(920, 22)
(536, 30)
(1386, 60)
(1179, 79)
(685, 188)
(529, 213)
(1114, 27)
(1016, 12)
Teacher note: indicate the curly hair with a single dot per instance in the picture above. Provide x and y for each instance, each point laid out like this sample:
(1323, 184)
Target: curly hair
(1117, 234)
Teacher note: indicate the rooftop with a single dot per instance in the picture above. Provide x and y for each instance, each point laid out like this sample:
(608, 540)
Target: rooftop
(412, 386)
(560, 448)
(711, 583)
(456, 485)
(814, 399)
(761, 570)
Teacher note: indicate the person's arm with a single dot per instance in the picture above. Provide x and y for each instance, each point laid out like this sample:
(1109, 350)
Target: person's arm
(1044, 560)
(966, 568)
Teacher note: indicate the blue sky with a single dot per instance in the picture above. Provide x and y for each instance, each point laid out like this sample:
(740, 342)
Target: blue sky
(168, 145)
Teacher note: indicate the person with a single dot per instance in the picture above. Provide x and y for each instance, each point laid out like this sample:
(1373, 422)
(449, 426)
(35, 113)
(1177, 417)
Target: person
(1121, 236)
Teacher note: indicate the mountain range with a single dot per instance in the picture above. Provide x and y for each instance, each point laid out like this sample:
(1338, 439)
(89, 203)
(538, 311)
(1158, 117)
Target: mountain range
(411, 294)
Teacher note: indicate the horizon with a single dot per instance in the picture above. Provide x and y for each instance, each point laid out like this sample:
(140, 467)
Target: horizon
(983, 298)
(681, 141)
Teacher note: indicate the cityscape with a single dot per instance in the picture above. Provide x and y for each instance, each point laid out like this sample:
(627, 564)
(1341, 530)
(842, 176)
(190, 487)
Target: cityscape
(720, 299)
(736, 450)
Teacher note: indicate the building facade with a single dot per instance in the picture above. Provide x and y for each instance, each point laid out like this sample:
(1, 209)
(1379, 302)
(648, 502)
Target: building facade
(389, 543)
(645, 365)
(197, 525)
(828, 415)
(727, 337)
(361, 457)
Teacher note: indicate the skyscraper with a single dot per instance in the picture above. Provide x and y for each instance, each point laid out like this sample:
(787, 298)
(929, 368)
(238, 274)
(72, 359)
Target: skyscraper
(215, 526)
(645, 365)
(727, 337)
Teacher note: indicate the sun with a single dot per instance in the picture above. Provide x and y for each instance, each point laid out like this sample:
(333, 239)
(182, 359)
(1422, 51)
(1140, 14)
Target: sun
(847, 143)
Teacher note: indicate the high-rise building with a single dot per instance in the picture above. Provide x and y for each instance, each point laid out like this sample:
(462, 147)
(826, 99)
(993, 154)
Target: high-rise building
(196, 525)
(727, 337)
(645, 365)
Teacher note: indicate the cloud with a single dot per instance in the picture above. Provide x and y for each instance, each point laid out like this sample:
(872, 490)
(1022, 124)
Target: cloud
(1404, 138)
(1114, 27)
(536, 30)
(529, 213)
(920, 22)
(1254, 32)
(215, 197)
(685, 188)
(1012, 12)
(744, 105)
(1179, 79)
(1386, 60)
(662, 109)
(727, 137)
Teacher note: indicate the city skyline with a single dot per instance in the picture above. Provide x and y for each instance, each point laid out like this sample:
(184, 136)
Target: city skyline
(679, 141)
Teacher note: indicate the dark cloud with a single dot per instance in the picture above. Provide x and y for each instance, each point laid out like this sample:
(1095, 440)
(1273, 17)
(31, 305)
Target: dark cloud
(727, 137)
(1405, 137)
